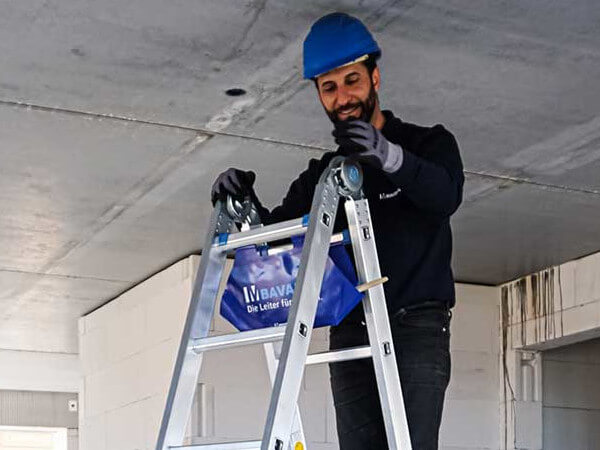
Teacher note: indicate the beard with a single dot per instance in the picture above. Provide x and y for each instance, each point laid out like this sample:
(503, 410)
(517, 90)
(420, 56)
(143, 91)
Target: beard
(367, 107)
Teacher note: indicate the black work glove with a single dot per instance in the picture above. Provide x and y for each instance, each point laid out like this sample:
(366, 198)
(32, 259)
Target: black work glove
(366, 143)
(234, 182)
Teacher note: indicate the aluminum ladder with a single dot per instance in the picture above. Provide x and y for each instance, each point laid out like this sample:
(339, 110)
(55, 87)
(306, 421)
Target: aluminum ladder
(342, 180)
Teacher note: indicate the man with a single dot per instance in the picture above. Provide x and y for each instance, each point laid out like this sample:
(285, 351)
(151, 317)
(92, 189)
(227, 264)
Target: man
(413, 180)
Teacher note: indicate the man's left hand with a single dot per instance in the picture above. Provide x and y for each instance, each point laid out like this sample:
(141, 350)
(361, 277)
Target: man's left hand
(367, 144)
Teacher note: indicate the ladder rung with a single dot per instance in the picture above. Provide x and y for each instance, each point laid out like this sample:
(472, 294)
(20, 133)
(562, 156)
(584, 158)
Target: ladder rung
(346, 354)
(272, 334)
(335, 239)
(260, 336)
(267, 233)
(242, 445)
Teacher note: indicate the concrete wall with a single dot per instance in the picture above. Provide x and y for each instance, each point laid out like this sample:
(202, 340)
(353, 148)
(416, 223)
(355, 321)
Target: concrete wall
(554, 307)
(571, 397)
(128, 349)
(472, 408)
(547, 310)
(39, 371)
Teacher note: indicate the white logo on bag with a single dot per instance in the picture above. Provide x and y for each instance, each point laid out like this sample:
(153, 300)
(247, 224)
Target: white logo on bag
(251, 294)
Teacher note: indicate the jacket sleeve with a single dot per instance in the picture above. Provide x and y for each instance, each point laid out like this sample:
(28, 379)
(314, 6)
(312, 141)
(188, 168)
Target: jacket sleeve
(434, 180)
(296, 202)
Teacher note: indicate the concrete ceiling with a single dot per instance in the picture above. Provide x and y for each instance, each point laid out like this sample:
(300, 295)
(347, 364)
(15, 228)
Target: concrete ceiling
(114, 122)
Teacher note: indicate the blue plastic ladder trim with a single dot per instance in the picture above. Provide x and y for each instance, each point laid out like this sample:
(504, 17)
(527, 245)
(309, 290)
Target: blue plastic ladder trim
(223, 237)
(346, 240)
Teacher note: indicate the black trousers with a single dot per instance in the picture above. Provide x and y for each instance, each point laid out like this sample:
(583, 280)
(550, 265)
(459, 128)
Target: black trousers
(421, 338)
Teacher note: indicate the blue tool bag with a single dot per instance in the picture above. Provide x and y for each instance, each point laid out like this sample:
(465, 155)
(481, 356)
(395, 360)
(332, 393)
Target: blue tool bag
(260, 288)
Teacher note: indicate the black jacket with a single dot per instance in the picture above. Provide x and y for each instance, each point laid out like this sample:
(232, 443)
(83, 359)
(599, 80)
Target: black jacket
(410, 211)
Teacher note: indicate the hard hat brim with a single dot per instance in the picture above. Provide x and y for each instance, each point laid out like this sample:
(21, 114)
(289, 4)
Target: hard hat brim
(349, 63)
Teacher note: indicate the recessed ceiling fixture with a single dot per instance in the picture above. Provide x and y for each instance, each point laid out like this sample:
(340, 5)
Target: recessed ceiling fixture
(235, 92)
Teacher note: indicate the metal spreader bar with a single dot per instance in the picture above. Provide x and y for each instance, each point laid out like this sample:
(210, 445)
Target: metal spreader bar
(282, 230)
(346, 354)
(260, 336)
(240, 445)
(286, 347)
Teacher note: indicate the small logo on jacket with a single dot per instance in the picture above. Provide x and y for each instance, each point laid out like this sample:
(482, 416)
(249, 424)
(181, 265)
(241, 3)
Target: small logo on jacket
(386, 195)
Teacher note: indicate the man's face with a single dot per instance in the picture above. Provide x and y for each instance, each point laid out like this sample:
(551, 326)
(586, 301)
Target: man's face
(349, 92)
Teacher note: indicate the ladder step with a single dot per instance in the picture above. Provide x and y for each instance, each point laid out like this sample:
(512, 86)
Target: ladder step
(267, 233)
(274, 232)
(272, 334)
(242, 445)
(342, 237)
(260, 336)
(346, 354)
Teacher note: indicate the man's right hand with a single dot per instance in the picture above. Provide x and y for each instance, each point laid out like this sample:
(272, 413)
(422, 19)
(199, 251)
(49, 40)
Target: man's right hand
(234, 182)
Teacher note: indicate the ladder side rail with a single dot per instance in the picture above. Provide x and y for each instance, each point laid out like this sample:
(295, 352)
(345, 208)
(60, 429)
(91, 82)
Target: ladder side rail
(376, 317)
(301, 315)
(197, 325)
(297, 434)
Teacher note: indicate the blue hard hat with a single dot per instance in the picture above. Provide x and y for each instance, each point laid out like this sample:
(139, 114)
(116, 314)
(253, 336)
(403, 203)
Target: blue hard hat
(334, 40)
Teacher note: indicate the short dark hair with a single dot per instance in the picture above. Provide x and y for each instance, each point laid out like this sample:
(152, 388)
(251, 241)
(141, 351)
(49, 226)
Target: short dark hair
(370, 63)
